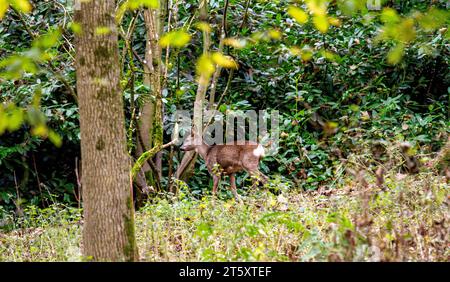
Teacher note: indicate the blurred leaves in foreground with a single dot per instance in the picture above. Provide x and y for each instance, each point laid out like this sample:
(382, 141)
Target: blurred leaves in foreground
(12, 118)
(19, 5)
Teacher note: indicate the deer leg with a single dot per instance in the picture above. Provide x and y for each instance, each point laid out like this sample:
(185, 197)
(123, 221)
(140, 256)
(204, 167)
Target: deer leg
(233, 187)
(257, 176)
(264, 177)
(216, 179)
(253, 177)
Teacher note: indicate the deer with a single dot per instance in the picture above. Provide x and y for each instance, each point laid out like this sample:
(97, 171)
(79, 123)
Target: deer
(227, 159)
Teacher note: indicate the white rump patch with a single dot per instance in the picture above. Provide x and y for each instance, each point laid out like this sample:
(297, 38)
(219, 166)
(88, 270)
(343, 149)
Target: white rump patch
(259, 151)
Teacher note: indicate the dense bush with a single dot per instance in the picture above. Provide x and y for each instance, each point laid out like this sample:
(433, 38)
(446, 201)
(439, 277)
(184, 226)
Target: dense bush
(345, 100)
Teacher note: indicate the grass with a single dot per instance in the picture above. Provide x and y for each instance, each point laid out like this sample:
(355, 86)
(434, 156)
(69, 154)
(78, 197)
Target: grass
(404, 219)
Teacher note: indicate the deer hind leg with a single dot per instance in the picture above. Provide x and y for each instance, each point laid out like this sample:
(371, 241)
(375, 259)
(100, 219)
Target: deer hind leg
(257, 177)
(233, 187)
(251, 166)
(264, 178)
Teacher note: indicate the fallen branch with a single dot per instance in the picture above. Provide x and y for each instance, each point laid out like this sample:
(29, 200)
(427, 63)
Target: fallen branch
(147, 155)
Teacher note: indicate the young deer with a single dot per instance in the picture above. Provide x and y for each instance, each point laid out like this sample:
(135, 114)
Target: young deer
(227, 159)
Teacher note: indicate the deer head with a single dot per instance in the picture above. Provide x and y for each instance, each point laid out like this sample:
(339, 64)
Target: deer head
(192, 141)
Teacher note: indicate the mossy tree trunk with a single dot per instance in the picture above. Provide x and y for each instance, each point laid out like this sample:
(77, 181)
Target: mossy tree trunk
(108, 229)
(150, 120)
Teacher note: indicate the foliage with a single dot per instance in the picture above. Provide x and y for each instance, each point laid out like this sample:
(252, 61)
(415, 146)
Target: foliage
(47, 106)
(405, 219)
(352, 85)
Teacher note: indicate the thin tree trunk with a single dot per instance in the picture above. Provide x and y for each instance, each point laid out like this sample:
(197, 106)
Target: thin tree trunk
(186, 167)
(215, 78)
(108, 230)
(150, 122)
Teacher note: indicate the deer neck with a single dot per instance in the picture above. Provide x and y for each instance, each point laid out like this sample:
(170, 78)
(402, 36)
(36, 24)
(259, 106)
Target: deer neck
(203, 150)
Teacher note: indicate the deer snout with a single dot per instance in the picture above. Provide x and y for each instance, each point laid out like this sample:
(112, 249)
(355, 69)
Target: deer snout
(186, 147)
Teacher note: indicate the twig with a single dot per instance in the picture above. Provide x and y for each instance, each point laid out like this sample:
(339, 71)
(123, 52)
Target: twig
(17, 202)
(37, 178)
(244, 18)
(230, 76)
(223, 32)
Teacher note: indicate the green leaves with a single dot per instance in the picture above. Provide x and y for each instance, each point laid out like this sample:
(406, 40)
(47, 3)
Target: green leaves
(206, 65)
(433, 19)
(11, 118)
(177, 39)
(14, 66)
(318, 10)
(402, 31)
(4, 5)
(204, 230)
(48, 40)
(223, 61)
(406, 31)
(298, 14)
(398, 29)
(102, 30)
(396, 54)
(305, 53)
(321, 23)
(75, 27)
(389, 16)
(133, 5)
(330, 56)
(349, 7)
(203, 26)
(54, 138)
(234, 42)
(317, 7)
(23, 6)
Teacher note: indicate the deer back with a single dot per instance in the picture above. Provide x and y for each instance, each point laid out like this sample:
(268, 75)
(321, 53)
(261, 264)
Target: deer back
(234, 157)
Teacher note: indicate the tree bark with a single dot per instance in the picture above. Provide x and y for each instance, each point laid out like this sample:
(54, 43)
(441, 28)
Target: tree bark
(150, 121)
(108, 230)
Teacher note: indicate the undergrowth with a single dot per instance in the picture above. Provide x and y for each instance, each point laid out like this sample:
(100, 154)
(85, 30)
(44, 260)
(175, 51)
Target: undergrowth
(402, 217)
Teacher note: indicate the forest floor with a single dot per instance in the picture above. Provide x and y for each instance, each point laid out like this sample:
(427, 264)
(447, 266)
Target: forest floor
(405, 218)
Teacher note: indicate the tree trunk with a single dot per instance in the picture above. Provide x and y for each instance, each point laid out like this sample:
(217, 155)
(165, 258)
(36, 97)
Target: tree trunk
(150, 121)
(108, 230)
(186, 168)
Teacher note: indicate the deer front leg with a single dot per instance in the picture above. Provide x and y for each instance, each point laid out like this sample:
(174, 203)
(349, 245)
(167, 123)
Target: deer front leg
(216, 180)
(233, 187)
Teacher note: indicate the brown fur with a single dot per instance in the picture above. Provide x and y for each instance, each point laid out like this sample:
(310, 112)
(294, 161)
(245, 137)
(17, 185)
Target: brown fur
(227, 159)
